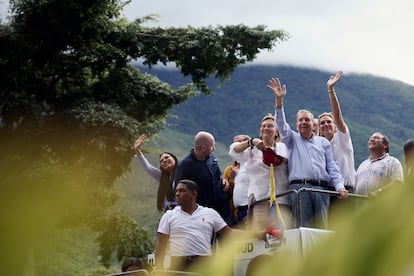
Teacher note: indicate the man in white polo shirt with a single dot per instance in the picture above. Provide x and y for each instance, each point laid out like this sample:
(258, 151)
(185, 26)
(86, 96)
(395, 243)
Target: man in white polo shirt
(188, 230)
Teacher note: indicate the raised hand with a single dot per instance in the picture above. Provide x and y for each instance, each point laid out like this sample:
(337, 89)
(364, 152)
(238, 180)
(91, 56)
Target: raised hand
(333, 80)
(138, 143)
(278, 90)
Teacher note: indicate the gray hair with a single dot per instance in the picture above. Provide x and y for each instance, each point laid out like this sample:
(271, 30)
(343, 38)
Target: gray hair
(305, 111)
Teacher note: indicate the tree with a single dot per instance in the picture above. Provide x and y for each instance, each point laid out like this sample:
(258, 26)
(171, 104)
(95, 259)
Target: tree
(71, 104)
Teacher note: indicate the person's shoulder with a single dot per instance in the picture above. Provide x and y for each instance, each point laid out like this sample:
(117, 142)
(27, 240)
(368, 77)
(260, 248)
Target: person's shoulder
(212, 160)
(281, 145)
(169, 212)
(212, 156)
(205, 209)
(321, 139)
(343, 135)
(209, 213)
(393, 159)
(187, 159)
(173, 212)
(281, 149)
(364, 162)
(228, 168)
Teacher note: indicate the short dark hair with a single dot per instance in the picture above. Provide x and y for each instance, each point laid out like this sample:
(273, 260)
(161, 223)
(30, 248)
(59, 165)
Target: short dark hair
(385, 141)
(408, 148)
(191, 185)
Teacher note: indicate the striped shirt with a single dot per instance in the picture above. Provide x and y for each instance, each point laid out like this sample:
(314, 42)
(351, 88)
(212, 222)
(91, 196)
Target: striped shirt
(376, 173)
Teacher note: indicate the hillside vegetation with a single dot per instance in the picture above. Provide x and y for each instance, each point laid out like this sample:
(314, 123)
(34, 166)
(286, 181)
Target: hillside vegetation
(368, 103)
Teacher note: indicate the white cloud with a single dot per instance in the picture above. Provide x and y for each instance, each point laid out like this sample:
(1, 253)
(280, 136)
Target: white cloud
(366, 36)
(3, 9)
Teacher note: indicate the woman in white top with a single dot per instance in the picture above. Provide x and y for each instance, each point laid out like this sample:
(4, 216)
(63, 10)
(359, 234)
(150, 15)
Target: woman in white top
(165, 175)
(333, 127)
(251, 153)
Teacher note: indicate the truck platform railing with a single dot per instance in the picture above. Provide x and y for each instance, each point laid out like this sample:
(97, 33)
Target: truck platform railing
(298, 222)
(158, 272)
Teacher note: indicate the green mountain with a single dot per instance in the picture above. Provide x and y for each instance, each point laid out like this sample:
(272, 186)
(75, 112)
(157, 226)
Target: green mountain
(369, 104)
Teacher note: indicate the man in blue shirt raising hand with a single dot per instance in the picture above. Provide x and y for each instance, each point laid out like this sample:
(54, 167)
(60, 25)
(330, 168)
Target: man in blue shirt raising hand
(311, 163)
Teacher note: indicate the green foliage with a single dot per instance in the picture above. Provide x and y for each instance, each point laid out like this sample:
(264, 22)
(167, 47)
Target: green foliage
(206, 51)
(138, 193)
(71, 105)
(121, 234)
(66, 252)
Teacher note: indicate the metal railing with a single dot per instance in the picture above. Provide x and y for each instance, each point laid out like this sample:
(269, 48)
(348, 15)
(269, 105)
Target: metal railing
(138, 272)
(298, 222)
(159, 272)
(320, 191)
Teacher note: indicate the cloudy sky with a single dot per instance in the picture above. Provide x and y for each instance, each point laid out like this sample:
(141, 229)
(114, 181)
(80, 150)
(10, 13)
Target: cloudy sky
(364, 36)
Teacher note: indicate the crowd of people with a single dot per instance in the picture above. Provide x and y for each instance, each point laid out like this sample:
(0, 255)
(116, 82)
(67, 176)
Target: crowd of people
(255, 192)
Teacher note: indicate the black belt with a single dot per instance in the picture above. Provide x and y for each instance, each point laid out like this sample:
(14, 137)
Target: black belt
(312, 182)
(188, 258)
(350, 189)
(176, 260)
